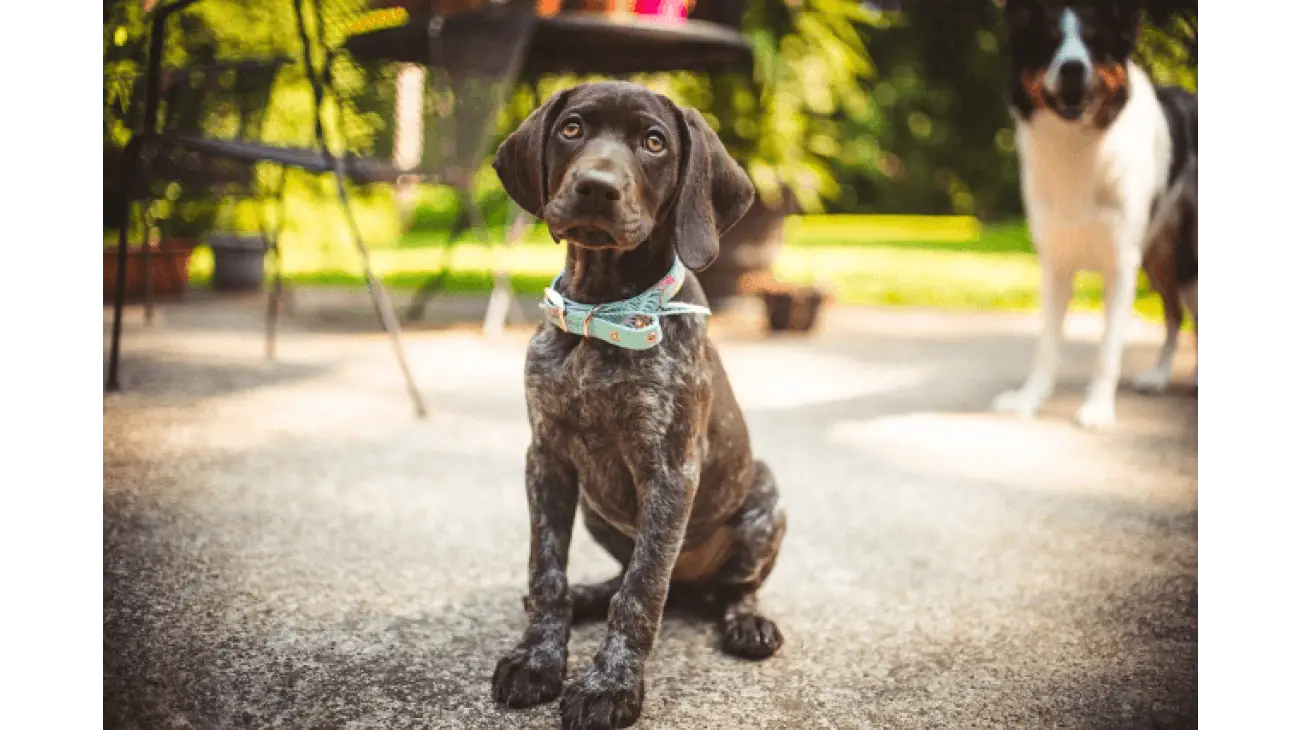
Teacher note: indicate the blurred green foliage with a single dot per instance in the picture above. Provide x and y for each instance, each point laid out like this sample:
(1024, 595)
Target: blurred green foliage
(942, 140)
(216, 31)
(849, 109)
(786, 124)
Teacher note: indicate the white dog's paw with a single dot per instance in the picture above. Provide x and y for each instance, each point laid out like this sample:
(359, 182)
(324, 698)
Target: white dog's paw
(1155, 380)
(1022, 403)
(1096, 413)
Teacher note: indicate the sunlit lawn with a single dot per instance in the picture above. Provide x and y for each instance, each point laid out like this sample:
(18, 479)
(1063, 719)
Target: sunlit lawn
(950, 263)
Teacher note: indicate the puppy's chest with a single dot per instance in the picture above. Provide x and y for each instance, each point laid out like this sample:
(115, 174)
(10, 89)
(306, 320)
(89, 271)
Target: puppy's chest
(591, 387)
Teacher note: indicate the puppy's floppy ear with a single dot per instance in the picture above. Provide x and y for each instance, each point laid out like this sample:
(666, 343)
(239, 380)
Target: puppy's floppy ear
(520, 161)
(713, 192)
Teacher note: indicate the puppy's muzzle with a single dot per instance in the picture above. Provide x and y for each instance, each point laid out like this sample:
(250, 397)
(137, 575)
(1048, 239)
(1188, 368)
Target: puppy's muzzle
(595, 207)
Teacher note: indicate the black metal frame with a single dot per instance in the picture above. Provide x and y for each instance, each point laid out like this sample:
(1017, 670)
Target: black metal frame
(322, 160)
(577, 42)
(439, 43)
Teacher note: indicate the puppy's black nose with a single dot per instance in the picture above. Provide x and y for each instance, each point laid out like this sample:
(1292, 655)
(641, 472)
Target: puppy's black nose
(597, 185)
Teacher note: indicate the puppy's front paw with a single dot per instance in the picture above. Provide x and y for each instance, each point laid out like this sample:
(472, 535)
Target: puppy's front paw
(603, 699)
(750, 636)
(1097, 412)
(1023, 403)
(532, 673)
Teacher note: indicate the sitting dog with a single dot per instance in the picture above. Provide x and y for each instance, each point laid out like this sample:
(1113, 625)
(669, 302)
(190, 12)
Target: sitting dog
(1107, 166)
(633, 419)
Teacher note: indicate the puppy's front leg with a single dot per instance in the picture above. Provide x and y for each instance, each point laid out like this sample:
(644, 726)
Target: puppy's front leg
(533, 672)
(608, 694)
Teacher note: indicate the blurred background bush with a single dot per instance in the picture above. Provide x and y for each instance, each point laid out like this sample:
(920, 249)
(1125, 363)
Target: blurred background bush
(854, 108)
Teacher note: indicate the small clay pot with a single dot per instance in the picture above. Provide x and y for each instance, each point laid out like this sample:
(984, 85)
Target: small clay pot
(238, 261)
(793, 309)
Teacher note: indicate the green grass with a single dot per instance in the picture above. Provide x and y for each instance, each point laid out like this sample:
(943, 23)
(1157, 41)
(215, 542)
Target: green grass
(943, 262)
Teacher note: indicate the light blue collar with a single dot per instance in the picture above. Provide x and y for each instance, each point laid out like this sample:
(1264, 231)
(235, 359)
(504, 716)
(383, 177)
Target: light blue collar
(633, 323)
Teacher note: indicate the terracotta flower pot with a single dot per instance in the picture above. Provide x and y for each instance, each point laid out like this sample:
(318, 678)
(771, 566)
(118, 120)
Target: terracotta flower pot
(793, 309)
(179, 243)
(170, 271)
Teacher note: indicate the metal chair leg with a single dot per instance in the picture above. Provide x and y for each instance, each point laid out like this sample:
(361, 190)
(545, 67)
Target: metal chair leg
(503, 300)
(148, 268)
(273, 302)
(119, 293)
(431, 286)
(271, 242)
(378, 294)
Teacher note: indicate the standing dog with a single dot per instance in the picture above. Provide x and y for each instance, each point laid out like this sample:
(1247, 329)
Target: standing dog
(633, 419)
(1107, 166)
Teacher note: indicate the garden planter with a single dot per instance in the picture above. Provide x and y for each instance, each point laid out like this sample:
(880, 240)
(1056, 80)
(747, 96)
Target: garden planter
(179, 243)
(746, 252)
(238, 261)
(169, 271)
(793, 309)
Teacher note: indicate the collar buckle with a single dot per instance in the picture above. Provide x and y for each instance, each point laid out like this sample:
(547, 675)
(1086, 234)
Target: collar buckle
(556, 304)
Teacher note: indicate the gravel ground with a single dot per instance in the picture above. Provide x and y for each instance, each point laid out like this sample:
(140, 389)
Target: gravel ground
(285, 545)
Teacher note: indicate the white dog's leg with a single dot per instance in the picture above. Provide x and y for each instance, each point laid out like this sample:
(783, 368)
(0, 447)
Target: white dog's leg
(1098, 409)
(1189, 300)
(1156, 379)
(1058, 287)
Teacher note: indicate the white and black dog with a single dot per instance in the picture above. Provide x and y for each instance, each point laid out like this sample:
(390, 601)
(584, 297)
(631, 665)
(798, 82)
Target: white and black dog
(1107, 174)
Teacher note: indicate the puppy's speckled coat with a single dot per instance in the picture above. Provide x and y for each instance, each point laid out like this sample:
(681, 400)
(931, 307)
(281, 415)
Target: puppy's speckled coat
(651, 445)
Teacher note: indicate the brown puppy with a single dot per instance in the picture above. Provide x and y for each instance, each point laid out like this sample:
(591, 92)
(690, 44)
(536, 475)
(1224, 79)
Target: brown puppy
(649, 443)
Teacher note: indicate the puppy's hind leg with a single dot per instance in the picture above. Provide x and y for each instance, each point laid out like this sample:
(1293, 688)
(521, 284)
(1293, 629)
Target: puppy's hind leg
(591, 600)
(758, 530)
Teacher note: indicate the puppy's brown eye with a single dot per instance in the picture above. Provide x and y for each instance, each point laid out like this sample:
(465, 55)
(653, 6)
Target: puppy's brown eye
(571, 130)
(654, 142)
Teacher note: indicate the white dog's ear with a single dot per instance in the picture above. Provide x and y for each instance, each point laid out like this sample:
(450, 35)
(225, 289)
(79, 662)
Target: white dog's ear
(1126, 17)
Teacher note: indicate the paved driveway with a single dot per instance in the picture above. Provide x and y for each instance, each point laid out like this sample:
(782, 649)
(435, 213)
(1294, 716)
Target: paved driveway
(285, 545)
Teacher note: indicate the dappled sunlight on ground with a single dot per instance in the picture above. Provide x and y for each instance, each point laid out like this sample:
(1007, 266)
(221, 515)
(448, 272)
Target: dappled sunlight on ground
(1049, 455)
(286, 544)
(788, 375)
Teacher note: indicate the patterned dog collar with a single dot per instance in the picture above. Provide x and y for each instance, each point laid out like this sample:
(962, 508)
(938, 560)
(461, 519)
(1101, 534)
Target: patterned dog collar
(633, 323)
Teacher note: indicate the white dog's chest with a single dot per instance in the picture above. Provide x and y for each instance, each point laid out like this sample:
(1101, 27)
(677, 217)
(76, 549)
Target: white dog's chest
(1088, 193)
(1083, 238)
